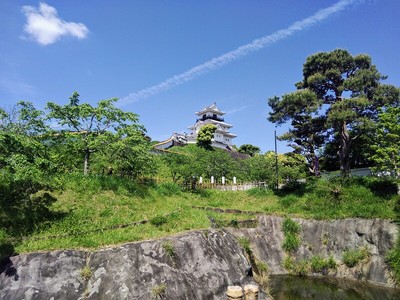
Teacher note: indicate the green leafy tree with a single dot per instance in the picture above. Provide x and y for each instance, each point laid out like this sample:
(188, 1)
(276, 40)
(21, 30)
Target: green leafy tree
(387, 143)
(345, 90)
(261, 168)
(24, 165)
(92, 129)
(218, 163)
(128, 153)
(205, 136)
(307, 134)
(249, 149)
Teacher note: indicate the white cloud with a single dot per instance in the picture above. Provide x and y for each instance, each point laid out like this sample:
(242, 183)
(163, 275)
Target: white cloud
(239, 52)
(45, 27)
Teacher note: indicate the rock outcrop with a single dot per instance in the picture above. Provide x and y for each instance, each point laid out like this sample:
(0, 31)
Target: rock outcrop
(324, 239)
(193, 265)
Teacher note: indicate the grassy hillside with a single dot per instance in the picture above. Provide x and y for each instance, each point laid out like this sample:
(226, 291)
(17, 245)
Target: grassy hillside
(92, 212)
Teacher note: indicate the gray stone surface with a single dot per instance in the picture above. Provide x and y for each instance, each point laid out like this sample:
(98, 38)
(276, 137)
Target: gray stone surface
(199, 264)
(50, 275)
(327, 238)
(202, 266)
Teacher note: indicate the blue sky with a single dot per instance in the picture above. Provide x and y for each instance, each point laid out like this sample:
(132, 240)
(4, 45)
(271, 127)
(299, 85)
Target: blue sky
(168, 59)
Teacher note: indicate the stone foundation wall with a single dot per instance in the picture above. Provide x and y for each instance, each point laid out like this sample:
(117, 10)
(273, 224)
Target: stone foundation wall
(193, 265)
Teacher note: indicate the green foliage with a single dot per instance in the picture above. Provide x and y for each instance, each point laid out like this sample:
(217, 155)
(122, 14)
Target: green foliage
(291, 230)
(187, 164)
(288, 200)
(300, 268)
(245, 244)
(350, 89)
(291, 243)
(321, 265)
(316, 264)
(290, 227)
(352, 257)
(158, 220)
(168, 189)
(205, 136)
(250, 150)
(110, 131)
(386, 146)
(393, 259)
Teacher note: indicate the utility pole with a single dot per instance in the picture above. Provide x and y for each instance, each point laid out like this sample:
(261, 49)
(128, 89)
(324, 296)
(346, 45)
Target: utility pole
(276, 162)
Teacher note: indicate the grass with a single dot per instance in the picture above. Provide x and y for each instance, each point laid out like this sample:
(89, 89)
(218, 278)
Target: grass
(158, 291)
(87, 207)
(351, 258)
(291, 230)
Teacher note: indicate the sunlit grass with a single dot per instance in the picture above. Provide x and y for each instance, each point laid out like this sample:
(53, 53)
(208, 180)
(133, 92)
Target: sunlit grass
(91, 208)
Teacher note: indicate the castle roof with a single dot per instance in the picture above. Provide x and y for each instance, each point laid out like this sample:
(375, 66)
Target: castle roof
(211, 108)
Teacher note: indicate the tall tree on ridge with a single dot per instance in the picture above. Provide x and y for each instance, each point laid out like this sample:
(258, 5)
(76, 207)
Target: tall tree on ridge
(344, 90)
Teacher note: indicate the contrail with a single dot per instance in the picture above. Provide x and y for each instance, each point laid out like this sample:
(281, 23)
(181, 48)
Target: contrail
(239, 52)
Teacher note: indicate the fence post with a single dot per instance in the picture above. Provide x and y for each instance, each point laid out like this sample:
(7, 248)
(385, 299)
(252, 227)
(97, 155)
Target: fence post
(251, 292)
(234, 292)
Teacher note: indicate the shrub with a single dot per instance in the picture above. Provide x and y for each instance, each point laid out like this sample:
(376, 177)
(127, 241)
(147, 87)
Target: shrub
(352, 257)
(385, 187)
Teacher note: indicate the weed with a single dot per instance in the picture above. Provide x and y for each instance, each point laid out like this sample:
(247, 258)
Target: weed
(393, 259)
(296, 268)
(86, 273)
(353, 257)
(325, 239)
(158, 291)
(288, 263)
(290, 227)
(169, 249)
(245, 243)
(261, 275)
(321, 265)
(291, 242)
(291, 230)
(302, 268)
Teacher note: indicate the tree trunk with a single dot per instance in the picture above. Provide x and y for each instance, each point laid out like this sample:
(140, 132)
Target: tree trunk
(86, 162)
(344, 150)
